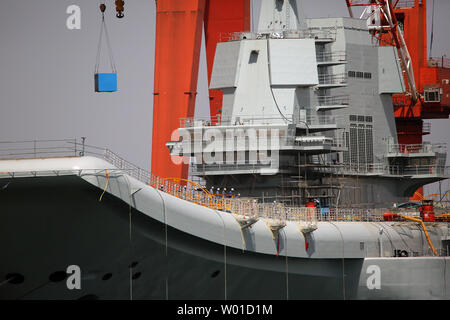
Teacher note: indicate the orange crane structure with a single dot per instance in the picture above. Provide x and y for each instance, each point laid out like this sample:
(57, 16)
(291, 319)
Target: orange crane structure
(179, 27)
(399, 23)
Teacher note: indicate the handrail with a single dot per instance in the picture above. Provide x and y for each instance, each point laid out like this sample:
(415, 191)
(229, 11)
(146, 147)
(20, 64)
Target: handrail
(338, 78)
(230, 203)
(310, 33)
(191, 182)
(192, 122)
(381, 169)
(406, 4)
(332, 100)
(331, 56)
(439, 62)
(425, 147)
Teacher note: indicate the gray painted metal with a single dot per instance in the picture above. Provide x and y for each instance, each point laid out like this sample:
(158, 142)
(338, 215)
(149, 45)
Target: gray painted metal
(343, 257)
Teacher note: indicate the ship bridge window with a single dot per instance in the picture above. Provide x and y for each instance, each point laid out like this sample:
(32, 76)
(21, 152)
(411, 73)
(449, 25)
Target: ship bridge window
(253, 56)
(367, 75)
(359, 74)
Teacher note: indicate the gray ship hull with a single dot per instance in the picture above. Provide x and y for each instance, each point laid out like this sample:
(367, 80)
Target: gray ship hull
(63, 223)
(50, 223)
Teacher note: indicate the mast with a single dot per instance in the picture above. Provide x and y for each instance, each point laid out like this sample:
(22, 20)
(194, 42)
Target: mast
(280, 15)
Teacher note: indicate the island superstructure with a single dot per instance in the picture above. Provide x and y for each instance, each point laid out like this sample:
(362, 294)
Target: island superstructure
(325, 89)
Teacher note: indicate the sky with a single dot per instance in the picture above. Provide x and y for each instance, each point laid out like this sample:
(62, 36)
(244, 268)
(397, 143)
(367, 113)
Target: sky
(47, 72)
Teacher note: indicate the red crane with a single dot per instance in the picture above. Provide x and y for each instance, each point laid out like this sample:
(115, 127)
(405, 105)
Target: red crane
(178, 41)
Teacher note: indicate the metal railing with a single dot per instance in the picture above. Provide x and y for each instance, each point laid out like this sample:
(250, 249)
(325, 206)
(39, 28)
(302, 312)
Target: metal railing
(406, 3)
(320, 33)
(417, 148)
(311, 141)
(38, 149)
(426, 128)
(401, 99)
(333, 79)
(313, 120)
(333, 100)
(232, 121)
(328, 34)
(189, 192)
(132, 170)
(201, 121)
(331, 57)
(382, 169)
(349, 214)
(426, 170)
(400, 3)
(439, 62)
(192, 122)
(230, 167)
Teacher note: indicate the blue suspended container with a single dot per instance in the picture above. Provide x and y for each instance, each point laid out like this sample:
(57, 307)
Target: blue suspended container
(106, 82)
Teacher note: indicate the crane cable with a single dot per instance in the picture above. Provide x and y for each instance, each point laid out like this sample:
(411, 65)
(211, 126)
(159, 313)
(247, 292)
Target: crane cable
(108, 43)
(270, 83)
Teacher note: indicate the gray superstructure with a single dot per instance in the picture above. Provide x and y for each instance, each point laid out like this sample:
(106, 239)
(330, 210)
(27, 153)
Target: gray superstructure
(308, 114)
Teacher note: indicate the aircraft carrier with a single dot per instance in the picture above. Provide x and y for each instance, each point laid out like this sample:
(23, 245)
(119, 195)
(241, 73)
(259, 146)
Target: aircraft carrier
(299, 189)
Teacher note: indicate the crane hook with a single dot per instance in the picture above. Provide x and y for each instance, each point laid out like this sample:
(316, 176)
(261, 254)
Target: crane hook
(102, 7)
(120, 8)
